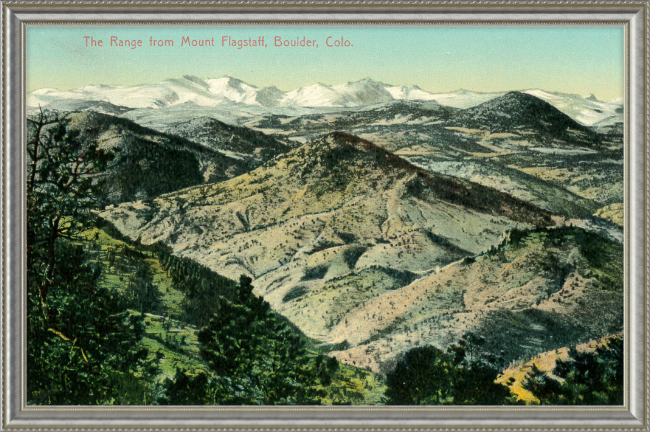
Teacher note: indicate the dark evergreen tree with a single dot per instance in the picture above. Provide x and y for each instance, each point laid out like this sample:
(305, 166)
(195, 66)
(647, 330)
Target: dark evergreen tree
(264, 359)
(84, 351)
(423, 377)
(254, 355)
(461, 376)
(63, 186)
(592, 378)
(185, 389)
(141, 292)
(82, 344)
(202, 287)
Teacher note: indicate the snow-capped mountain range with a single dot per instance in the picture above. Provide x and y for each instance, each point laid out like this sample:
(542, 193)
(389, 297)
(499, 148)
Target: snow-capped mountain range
(225, 91)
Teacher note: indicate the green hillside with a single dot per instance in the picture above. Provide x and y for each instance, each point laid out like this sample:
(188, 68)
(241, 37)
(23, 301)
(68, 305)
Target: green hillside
(148, 278)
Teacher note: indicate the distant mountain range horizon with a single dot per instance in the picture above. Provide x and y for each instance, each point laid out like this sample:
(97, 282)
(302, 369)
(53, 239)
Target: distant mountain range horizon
(274, 88)
(403, 92)
(228, 92)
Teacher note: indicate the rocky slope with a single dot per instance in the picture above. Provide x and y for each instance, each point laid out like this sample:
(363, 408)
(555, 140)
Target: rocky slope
(337, 213)
(537, 291)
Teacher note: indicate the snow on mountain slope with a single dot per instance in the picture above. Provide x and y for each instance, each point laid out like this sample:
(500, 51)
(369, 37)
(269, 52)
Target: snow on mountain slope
(166, 93)
(170, 92)
(464, 98)
(229, 92)
(315, 95)
(353, 94)
(364, 92)
(233, 89)
(410, 93)
(587, 111)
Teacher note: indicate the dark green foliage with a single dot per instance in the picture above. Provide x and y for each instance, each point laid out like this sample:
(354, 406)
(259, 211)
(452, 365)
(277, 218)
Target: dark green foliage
(171, 341)
(599, 252)
(82, 344)
(527, 332)
(185, 389)
(255, 357)
(324, 368)
(352, 255)
(202, 287)
(294, 293)
(594, 378)
(468, 261)
(155, 248)
(260, 354)
(348, 238)
(312, 273)
(322, 245)
(453, 252)
(142, 295)
(63, 186)
(591, 247)
(401, 277)
(460, 376)
(144, 169)
(423, 377)
(555, 270)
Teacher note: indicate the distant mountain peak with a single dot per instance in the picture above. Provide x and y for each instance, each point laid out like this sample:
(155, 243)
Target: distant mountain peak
(269, 96)
(516, 110)
(192, 78)
(189, 79)
(592, 97)
(234, 82)
(366, 80)
(516, 100)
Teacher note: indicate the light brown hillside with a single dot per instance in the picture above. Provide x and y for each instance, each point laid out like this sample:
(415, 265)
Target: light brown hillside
(613, 213)
(331, 228)
(523, 299)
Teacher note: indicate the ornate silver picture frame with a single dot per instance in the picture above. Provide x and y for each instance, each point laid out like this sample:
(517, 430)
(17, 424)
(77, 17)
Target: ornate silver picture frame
(633, 17)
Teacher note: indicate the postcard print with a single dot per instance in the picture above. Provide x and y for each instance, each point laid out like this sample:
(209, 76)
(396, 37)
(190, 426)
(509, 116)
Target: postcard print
(232, 215)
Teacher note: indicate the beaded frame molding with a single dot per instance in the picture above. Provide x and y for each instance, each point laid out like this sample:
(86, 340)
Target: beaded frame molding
(633, 15)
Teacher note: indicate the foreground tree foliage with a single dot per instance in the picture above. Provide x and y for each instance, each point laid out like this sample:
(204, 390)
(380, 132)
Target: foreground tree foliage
(593, 378)
(82, 344)
(255, 357)
(460, 376)
(62, 188)
(201, 287)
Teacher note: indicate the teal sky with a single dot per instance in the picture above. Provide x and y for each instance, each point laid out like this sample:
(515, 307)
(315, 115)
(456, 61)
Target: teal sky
(580, 60)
